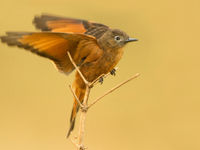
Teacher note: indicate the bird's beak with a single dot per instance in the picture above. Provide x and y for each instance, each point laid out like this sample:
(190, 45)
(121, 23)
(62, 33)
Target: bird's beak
(131, 40)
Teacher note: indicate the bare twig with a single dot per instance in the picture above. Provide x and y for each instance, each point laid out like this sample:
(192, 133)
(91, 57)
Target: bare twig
(113, 89)
(72, 61)
(74, 143)
(76, 98)
(84, 105)
(97, 79)
(101, 76)
(82, 119)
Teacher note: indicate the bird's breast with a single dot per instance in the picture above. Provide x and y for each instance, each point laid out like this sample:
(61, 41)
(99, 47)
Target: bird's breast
(111, 58)
(103, 65)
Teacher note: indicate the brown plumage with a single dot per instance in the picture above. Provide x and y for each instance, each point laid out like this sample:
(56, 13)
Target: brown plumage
(94, 47)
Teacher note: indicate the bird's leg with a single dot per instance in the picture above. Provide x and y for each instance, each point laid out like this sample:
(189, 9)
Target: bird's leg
(113, 72)
(101, 80)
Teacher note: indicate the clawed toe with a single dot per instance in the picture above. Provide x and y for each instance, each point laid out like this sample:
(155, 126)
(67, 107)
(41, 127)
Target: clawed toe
(101, 80)
(113, 72)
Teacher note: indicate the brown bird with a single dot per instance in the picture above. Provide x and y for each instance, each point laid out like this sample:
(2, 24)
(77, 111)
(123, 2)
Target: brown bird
(94, 47)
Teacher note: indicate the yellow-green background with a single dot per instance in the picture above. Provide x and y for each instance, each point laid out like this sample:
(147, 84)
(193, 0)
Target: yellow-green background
(158, 111)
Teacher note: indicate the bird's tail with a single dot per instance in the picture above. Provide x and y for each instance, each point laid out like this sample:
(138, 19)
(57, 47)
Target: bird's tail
(80, 89)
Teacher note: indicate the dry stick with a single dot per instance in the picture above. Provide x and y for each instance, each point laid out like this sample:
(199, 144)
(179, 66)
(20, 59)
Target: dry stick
(84, 106)
(72, 61)
(80, 145)
(74, 143)
(82, 120)
(113, 89)
(103, 75)
(76, 98)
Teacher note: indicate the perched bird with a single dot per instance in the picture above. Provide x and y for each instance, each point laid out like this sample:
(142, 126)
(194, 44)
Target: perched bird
(94, 47)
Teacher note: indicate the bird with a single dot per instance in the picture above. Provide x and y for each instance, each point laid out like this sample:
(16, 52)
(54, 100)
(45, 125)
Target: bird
(94, 47)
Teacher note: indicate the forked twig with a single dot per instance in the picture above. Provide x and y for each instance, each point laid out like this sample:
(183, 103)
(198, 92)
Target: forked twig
(84, 106)
(72, 61)
(113, 89)
(101, 76)
(76, 98)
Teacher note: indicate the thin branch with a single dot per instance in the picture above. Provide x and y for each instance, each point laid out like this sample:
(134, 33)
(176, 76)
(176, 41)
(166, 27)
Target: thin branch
(81, 130)
(84, 105)
(72, 61)
(97, 79)
(76, 98)
(82, 119)
(101, 76)
(74, 143)
(113, 89)
(80, 147)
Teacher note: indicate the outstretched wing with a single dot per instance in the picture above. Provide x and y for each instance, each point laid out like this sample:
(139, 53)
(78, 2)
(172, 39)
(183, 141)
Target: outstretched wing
(63, 24)
(54, 46)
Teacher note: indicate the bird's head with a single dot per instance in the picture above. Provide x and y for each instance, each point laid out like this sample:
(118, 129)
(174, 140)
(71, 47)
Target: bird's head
(115, 38)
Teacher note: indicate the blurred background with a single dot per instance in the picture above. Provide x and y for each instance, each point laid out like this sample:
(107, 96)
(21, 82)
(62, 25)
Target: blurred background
(157, 111)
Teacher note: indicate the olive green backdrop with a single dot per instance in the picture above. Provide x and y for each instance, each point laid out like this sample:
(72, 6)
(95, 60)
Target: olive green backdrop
(157, 111)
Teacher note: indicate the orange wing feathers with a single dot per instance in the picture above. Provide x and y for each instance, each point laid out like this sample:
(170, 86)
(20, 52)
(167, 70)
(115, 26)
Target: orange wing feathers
(50, 44)
(79, 37)
(54, 46)
(59, 24)
(69, 25)
(65, 26)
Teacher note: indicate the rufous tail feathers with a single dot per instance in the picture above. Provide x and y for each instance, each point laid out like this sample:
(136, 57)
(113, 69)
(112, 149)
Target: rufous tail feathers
(80, 89)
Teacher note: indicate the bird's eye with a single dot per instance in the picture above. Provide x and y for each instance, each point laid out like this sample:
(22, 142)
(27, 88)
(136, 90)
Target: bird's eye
(117, 38)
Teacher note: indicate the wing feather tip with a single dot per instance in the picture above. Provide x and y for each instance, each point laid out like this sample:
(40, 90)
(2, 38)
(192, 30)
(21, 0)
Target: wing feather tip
(3, 39)
(40, 23)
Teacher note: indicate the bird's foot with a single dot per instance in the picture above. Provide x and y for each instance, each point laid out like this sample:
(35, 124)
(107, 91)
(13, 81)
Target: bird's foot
(113, 72)
(101, 80)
